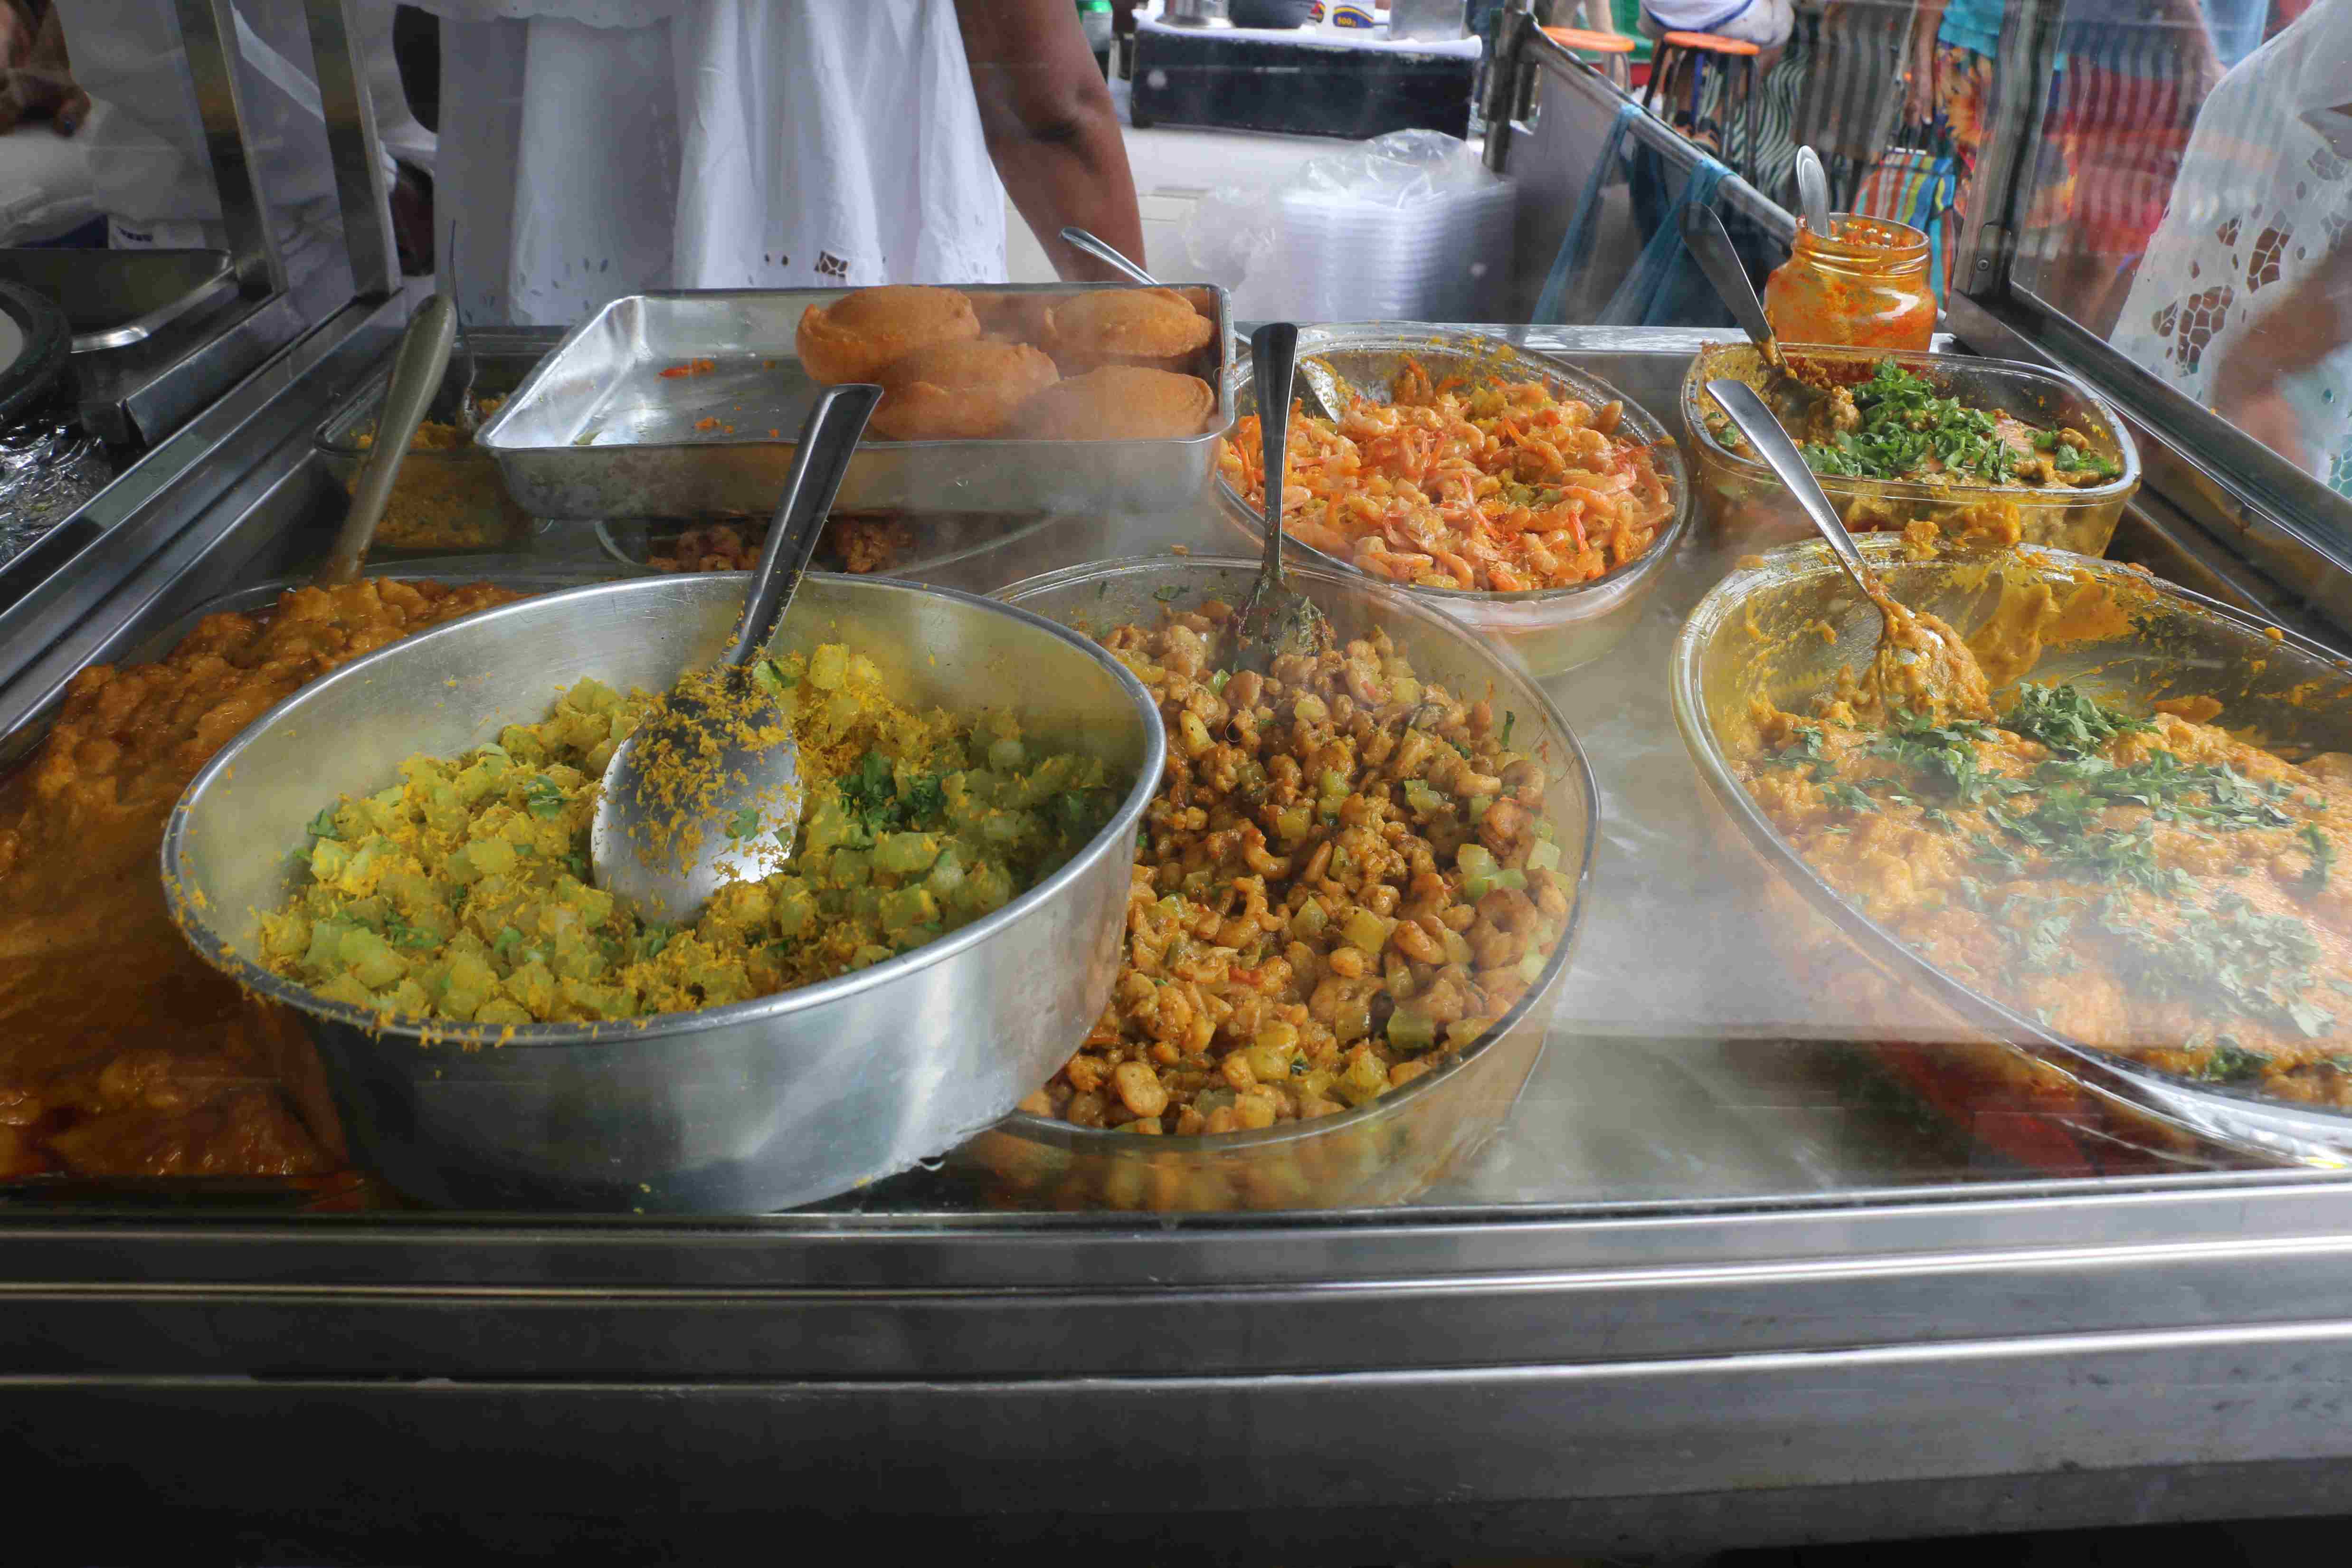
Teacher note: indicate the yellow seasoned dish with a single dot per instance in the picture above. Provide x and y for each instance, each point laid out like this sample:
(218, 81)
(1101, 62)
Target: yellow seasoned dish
(462, 891)
(2151, 886)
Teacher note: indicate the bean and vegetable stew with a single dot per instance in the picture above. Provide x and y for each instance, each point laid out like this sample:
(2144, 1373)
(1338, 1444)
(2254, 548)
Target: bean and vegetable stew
(1346, 878)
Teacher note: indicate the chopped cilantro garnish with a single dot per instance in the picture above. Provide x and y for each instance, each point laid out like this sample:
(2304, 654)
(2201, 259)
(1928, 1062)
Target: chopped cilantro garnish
(1849, 796)
(2065, 719)
(1509, 718)
(926, 799)
(323, 824)
(2231, 1063)
(542, 799)
(400, 933)
(744, 823)
(2323, 856)
(1906, 430)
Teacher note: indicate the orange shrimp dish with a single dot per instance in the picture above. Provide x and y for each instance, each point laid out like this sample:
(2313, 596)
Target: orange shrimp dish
(1501, 487)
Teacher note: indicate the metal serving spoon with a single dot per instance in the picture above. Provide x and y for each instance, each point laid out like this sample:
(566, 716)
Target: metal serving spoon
(708, 790)
(1276, 618)
(1813, 191)
(453, 402)
(417, 372)
(1913, 658)
(1327, 393)
(1710, 243)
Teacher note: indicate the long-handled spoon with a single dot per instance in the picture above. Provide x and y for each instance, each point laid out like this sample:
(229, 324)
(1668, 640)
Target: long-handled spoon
(1813, 191)
(1921, 663)
(1277, 619)
(1328, 394)
(707, 789)
(417, 372)
(1710, 243)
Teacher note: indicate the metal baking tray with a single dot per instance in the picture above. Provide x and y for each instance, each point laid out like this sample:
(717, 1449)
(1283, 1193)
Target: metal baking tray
(116, 298)
(598, 432)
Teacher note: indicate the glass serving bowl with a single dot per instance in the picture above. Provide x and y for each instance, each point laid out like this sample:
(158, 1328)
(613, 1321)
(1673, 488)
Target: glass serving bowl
(1784, 625)
(1549, 629)
(1742, 504)
(1381, 1152)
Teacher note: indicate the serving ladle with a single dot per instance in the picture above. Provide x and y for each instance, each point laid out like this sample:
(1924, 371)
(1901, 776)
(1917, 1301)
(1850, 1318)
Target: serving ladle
(1328, 394)
(1710, 244)
(417, 370)
(1275, 619)
(1921, 664)
(707, 789)
(1813, 191)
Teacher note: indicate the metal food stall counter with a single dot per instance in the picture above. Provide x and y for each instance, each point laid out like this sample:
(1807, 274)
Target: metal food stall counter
(1721, 1277)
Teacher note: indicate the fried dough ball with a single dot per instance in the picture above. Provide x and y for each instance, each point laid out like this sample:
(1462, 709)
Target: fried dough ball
(1124, 326)
(853, 337)
(1118, 403)
(959, 391)
(1012, 317)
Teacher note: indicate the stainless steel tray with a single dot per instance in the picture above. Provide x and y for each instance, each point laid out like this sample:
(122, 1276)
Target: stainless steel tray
(116, 298)
(598, 432)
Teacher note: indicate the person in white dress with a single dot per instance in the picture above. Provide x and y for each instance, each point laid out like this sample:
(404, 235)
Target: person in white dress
(595, 148)
(144, 136)
(2244, 299)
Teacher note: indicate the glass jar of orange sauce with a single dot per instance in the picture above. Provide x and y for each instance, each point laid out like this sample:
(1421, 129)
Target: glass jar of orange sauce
(1864, 283)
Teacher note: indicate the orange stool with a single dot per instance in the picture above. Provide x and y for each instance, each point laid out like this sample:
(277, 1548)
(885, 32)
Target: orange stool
(1689, 52)
(1615, 46)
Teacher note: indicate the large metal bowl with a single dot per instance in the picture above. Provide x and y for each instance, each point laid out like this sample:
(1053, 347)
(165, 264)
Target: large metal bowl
(760, 1105)
(1761, 632)
(1386, 1150)
(1550, 629)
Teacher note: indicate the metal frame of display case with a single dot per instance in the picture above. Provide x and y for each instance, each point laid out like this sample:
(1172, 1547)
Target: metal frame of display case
(1656, 1376)
(179, 402)
(1661, 1375)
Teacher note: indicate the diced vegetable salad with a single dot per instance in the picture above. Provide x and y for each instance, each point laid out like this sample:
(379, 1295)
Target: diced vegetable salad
(463, 891)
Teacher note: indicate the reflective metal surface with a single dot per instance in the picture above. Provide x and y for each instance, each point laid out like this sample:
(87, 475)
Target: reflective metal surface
(339, 57)
(116, 298)
(131, 538)
(1705, 1290)
(758, 1105)
(598, 431)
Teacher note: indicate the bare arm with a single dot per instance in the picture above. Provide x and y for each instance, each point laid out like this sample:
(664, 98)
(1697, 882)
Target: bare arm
(40, 85)
(2310, 321)
(1919, 92)
(1051, 129)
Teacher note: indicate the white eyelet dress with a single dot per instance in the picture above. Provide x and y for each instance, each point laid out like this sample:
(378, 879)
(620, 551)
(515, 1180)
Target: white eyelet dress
(595, 148)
